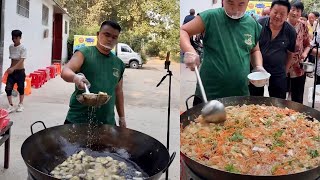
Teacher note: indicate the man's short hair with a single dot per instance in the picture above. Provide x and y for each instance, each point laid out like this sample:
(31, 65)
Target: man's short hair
(16, 33)
(297, 4)
(305, 15)
(113, 24)
(282, 3)
(316, 14)
(192, 12)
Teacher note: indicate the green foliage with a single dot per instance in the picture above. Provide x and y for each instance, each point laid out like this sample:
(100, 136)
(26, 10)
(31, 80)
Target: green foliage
(153, 48)
(311, 5)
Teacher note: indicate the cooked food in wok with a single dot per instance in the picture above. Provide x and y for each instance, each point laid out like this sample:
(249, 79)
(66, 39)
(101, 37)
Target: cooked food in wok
(85, 167)
(255, 140)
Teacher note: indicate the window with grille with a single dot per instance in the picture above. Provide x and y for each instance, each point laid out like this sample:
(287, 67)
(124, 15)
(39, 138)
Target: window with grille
(66, 27)
(23, 8)
(45, 15)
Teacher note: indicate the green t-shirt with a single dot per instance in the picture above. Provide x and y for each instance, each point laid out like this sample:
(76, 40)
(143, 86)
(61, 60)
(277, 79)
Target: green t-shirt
(103, 72)
(227, 46)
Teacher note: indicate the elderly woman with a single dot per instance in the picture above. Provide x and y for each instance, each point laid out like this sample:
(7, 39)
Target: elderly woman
(297, 75)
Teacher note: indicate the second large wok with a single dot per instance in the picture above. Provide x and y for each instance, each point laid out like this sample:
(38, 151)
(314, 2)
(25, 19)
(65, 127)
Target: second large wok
(206, 172)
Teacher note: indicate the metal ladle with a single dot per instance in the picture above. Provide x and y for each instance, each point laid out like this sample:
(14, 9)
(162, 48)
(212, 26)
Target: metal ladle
(213, 111)
(86, 88)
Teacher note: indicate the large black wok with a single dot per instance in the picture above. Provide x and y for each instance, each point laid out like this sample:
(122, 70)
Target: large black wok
(46, 149)
(206, 172)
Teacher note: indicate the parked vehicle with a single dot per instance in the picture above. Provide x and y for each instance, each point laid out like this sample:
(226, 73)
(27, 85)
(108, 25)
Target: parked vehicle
(128, 56)
(122, 50)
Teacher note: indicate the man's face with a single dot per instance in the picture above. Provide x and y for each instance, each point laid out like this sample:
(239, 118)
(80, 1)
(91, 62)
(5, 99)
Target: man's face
(235, 8)
(108, 36)
(311, 18)
(278, 14)
(16, 40)
(295, 14)
(266, 11)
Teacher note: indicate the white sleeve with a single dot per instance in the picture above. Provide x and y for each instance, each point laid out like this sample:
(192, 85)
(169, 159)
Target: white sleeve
(23, 53)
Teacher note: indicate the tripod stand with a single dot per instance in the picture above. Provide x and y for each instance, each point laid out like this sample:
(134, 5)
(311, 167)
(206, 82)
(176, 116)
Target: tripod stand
(169, 73)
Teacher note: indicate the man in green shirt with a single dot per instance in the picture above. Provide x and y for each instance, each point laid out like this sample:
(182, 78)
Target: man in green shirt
(97, 67)
(230, 42)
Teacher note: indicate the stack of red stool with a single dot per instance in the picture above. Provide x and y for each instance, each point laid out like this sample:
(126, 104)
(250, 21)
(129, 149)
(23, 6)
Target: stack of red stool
(43, 76)
(36, 79)
(58, 68)
(52, 71)
(46, 73)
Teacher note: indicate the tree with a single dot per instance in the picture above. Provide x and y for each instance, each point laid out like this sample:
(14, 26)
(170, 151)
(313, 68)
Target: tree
(139, 19)
(311, 5)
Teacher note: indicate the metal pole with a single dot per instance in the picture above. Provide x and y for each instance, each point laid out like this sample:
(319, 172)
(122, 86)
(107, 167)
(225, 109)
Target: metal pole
(168, 128)
(316, 64)
(315, 76)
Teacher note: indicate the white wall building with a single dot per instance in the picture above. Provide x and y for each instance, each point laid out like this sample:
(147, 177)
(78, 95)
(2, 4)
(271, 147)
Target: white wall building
(45, 30)
(198, 6)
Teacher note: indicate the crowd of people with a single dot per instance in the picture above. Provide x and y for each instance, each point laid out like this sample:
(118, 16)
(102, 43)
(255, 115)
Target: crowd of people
(235, 44)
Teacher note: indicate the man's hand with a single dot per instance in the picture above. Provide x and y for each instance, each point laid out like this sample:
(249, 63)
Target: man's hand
(79, 79)
(191, 60)
(10, 70)
(122, 122)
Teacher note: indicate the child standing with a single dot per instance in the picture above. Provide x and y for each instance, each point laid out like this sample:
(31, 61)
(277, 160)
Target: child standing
(16, 72)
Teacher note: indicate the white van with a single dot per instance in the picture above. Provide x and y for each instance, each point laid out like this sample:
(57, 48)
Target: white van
(128, 56)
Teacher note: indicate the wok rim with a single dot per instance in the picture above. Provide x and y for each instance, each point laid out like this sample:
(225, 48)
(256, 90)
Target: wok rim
(184, 156)
(28, 140)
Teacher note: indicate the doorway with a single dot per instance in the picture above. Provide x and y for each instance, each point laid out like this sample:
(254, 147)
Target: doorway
(57, 38)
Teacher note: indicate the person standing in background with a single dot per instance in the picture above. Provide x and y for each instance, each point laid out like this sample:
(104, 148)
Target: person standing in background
(190, 17)
(302, 48)
(265, 12)
(16, 72)
(277, 42)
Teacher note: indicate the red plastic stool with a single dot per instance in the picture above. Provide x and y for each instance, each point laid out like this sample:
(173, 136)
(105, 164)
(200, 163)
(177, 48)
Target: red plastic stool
(35, 80)
(43, 76)
(52, 71)
(47, 74)
(58, 65)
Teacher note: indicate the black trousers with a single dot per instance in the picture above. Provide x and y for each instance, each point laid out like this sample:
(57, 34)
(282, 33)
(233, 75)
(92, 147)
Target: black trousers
(277, 87)
(311, 58)
(297, 88)
(17, 76)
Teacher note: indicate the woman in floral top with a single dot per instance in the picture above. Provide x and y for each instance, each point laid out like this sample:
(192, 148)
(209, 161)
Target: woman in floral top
(297, 75)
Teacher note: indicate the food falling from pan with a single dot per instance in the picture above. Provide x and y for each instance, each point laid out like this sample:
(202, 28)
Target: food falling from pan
(81, 166)
(255, 140)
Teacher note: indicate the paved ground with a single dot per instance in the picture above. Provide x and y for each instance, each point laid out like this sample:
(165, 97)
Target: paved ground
(145, 106)
(188, 83)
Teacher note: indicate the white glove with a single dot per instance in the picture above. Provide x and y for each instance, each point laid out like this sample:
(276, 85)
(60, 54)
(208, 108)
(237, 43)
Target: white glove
(122, 122)
(79, 79)
(191, 60)
(259, 69)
